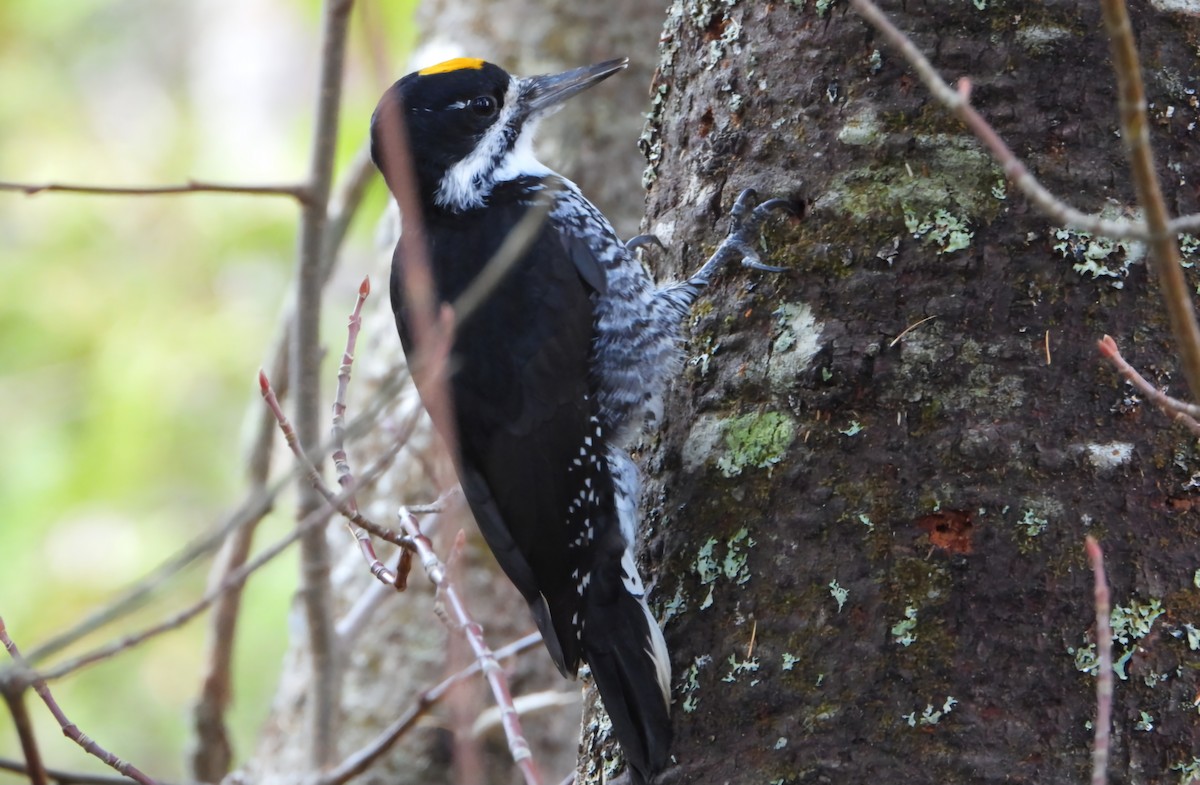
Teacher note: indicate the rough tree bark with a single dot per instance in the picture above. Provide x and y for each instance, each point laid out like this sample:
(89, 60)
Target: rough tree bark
(869, 548)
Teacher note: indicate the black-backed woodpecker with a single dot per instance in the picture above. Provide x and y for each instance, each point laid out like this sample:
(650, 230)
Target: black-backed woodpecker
(553, 373)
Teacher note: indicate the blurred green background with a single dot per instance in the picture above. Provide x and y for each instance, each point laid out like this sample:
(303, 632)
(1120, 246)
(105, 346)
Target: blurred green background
(133, 327)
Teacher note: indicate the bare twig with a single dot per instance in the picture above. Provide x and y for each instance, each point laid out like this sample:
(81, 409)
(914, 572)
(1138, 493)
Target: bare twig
(68, 777)
(361, 760)
(298, 192)
(340, 461)
(336, 501)
(909, 329)
(517, 745)
(69, 729)
(1104, 677)
(1164, 249)
(1183, 412)
(306, 388)
(13, 689)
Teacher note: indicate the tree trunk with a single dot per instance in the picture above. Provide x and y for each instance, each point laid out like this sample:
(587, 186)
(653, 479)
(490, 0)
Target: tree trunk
(867, 529)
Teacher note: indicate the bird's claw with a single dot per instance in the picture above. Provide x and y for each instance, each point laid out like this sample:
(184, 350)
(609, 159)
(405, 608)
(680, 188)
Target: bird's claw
(754, 264)
(746, 222)
(643, 240)
(743, 236)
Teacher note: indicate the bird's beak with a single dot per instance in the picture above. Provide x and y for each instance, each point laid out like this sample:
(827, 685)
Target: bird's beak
(540, 93)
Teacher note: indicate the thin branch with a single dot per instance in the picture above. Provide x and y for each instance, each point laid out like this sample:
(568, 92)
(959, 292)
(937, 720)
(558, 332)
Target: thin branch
(298, 192)
(338, 502)
(344, 201)
(1104, 678)
(397, 578)
(517, 745)
(1164, 249)
(1181, 411)
(516, 242)
(361, 760)
(68, 777)
(430, 323)
(69, 729)
(306, 389)
(13, 689)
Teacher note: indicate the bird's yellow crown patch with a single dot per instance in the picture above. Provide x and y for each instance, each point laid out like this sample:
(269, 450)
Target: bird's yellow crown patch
(457, 64)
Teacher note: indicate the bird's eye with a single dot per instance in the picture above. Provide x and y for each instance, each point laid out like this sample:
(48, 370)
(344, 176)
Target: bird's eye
(484, 106)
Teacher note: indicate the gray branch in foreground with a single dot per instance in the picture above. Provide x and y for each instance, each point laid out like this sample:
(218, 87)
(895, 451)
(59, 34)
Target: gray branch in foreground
(298, 192)
(315, 591)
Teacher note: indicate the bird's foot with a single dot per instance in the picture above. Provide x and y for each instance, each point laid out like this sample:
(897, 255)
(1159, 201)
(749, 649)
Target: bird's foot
(747, 219)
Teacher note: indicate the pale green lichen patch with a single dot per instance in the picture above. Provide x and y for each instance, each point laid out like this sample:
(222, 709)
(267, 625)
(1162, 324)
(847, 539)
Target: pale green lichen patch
(1031, 524)
(948, 171)
(854, 428)
(861, 129)
(690, 683)
(904, 631)
(797, 341)
(941, 229)
(1099, 257)
(1188, 770)
(733, 566)
(739, 667)
(1102, 257)
(930, 715)
(758, 440)
(1130, 623)
(839, 593)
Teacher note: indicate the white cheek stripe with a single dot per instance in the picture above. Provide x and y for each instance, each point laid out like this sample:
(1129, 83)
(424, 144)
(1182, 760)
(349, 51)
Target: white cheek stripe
(467, 184)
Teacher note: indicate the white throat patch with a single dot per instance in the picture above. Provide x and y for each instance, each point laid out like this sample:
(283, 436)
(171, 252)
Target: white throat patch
(468, 183)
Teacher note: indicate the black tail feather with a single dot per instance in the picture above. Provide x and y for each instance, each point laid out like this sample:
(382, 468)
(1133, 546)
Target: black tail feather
(628, 663)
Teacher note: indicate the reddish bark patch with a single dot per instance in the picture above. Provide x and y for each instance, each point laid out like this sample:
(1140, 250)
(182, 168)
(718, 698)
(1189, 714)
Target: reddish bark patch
(950, 530)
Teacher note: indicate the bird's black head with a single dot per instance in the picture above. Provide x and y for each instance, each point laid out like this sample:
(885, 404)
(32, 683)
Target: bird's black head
(470, 124)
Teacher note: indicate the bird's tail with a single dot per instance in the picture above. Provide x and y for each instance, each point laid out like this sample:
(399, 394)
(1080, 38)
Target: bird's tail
(629, 662)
